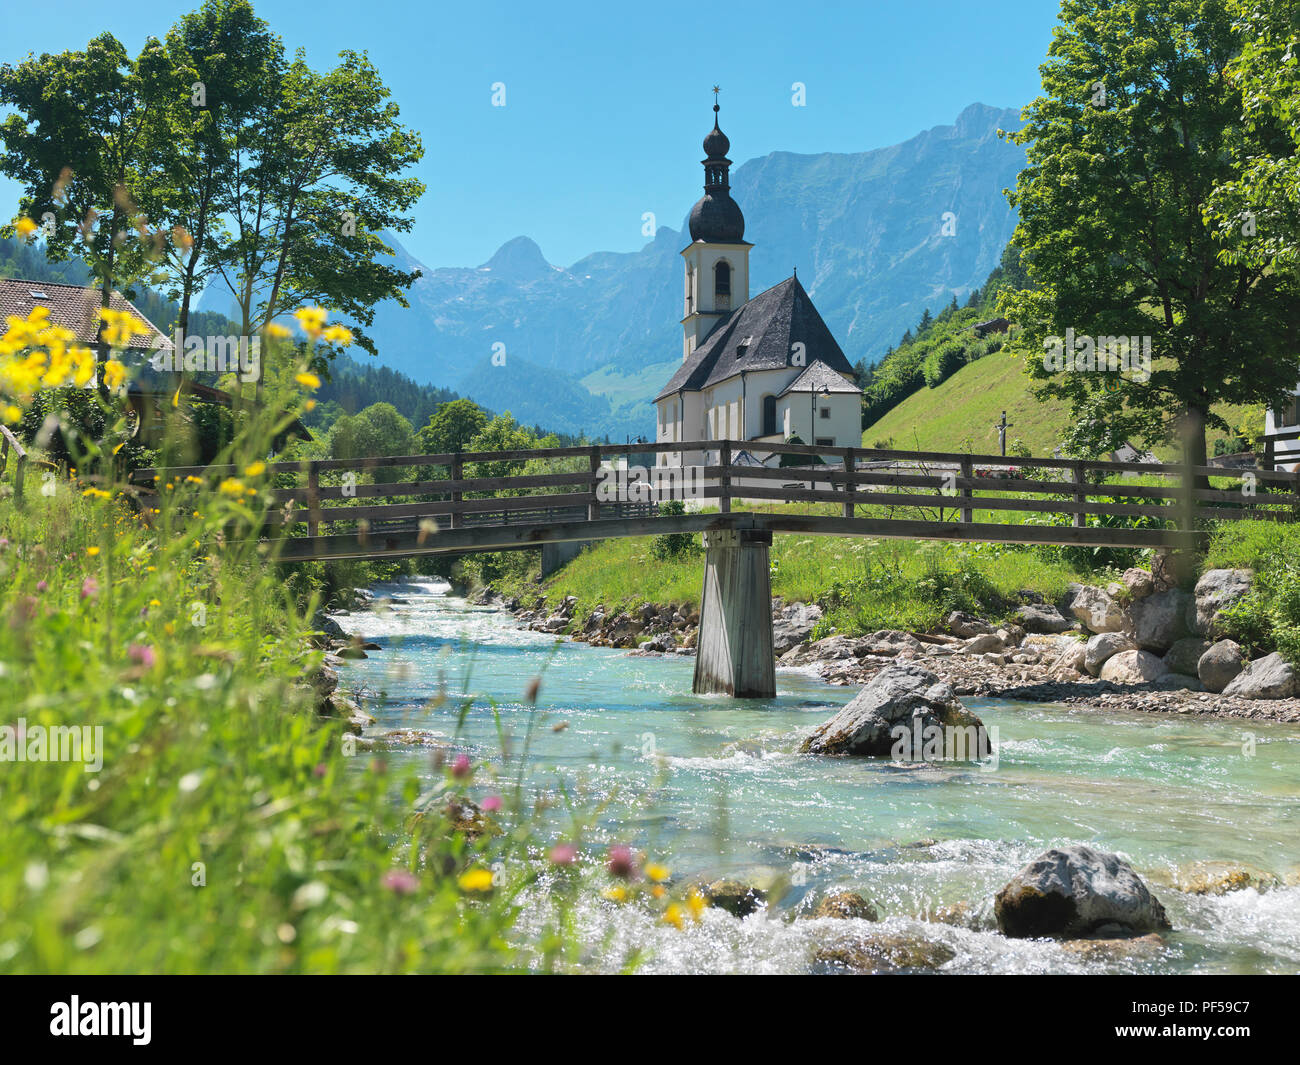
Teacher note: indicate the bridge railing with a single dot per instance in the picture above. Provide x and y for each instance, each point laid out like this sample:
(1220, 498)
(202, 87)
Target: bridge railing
(958, 494)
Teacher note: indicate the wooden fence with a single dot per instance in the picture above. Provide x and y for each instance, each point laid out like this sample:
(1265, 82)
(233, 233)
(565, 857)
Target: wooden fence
(872, 492)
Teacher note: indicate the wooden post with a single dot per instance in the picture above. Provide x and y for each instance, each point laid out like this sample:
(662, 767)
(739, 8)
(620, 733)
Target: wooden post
(967, 493)
(724, 480)
(735, 655)
(313, 500)
(593, 507)
(1080, 496)
(457, 474)
(850, 466)
(1266, 462)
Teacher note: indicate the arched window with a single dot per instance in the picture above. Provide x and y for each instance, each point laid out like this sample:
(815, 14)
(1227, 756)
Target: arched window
(722, 283)
(690, 289)
(769, 415)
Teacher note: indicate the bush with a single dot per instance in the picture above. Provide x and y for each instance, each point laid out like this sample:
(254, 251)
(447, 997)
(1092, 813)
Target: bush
(669, 547)
(943, 362)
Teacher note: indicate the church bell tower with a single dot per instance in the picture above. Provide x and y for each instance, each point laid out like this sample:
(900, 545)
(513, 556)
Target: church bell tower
(717, 259)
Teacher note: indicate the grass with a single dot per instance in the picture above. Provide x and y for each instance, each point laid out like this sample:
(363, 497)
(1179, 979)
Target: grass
(961, 414)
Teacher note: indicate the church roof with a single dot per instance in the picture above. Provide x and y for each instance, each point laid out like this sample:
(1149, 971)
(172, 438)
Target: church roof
(819, 378)
(760, 336)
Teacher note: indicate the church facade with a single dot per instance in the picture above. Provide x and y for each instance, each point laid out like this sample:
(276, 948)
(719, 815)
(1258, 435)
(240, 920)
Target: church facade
(754, 371)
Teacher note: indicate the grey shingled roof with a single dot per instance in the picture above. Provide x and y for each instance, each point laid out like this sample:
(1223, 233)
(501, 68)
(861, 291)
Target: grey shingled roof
(765, 328)
(75, 307)
(819, 378)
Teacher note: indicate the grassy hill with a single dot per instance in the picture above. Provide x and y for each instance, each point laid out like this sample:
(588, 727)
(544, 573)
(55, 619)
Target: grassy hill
(961, 413)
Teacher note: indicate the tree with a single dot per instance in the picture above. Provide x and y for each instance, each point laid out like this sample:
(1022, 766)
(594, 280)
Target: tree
(452, 426)
(317, 180)
(1137, 127)
(502, 433)
(77, 141)
(224, 62)
(1258, 215)
(377, 430)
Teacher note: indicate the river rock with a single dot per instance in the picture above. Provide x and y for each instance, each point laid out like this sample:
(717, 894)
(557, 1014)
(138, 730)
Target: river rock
(1166, 570)
(983, 644)
(903, 696)
(1217, 590)
(1159, 621)
(1138, 583)
(965, 625)
(1071, 892)
(1104, 646)
(1095, 608)
(793, 624)
(1035, 617)
(735, 896)
(1185, 655)
(1220, 664)
(1113, 950)
(846, 905)
(886, 952)
(1219, 878)
(1270, 677)
(1133, 667)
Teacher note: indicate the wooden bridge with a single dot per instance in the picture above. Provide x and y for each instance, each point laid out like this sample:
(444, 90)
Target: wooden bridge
(480, 501)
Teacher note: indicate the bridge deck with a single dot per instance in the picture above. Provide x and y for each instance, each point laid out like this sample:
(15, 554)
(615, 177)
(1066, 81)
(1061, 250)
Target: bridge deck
(878, 494)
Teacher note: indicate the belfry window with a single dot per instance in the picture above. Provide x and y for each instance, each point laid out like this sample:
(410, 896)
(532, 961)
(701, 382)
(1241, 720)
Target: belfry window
(722, 284)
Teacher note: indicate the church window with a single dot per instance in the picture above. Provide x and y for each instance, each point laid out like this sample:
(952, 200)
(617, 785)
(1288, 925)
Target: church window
(824, 413)
(722, 283)
(769, 415)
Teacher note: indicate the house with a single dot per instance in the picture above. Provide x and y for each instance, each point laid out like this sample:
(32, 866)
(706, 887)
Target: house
(761, 370)
(151, 386)
(1283, 425)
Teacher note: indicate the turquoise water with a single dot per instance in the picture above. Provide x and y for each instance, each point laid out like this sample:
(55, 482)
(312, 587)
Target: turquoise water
(711, 785)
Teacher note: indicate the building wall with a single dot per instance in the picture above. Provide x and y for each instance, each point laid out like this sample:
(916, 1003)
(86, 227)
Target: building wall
(1285, 420)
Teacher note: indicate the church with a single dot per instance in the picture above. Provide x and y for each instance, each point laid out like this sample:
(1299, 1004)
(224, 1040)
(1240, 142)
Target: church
(754, 371)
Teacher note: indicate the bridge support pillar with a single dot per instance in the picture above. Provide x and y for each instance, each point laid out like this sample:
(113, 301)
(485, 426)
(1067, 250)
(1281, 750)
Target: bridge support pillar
(734, 653)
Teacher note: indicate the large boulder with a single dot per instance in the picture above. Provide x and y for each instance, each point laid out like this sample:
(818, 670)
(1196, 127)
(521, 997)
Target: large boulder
(1185, 655)
(965, 625)
(1138, 583)
(1095, 608)
(1270, 677)
(1219, 666)
(902, 701)
(1038, 617)
(1103, 647)
(793, 624)
(1133, 667)
(1071, 892)
(1215, 592)
(1159, 621)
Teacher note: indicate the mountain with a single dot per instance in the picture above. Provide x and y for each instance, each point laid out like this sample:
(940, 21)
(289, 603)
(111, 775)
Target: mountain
(587, 346)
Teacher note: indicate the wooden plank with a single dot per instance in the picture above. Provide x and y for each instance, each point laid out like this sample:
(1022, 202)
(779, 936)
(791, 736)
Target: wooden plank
(850, 482)
(513, 537)
(1078, 478)
(593, 473)
(968, 473)
(724, 480)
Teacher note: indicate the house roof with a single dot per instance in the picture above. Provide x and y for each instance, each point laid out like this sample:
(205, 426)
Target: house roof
(760, 336)
(75, 307)
(820, 378)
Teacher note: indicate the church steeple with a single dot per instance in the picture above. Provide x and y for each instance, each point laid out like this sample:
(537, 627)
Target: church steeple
(717, 259)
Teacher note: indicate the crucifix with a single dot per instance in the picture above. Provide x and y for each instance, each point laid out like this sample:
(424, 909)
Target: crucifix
(1002, 428)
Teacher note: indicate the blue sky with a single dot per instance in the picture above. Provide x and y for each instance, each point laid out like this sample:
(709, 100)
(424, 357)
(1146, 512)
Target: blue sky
(606, 105)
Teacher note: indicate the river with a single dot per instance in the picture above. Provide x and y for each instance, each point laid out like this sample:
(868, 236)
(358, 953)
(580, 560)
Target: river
(714, 786)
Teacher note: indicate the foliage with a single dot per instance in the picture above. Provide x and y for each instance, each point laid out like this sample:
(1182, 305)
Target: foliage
(670, 547)
(377, 430)
(1138, 126)
(452, 426)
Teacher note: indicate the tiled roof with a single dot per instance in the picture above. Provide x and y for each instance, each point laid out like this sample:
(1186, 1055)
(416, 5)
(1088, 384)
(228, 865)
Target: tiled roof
(760, 336)
(75, 307)
(820, 378)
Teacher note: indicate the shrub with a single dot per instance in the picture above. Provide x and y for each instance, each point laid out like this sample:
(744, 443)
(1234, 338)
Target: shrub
(669, 547)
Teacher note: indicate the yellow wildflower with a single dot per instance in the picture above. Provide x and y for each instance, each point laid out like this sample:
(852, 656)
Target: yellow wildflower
(231, 486)
(673, 916)
(657, 873)
(308, 380)
(275, 329)
(114, 375)
(25, 227)
(337, 334)
(476, 880)
(255, 469)
(92, 551)
(312, 320)
(696, 903)
(617, 893)
(98, 493)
